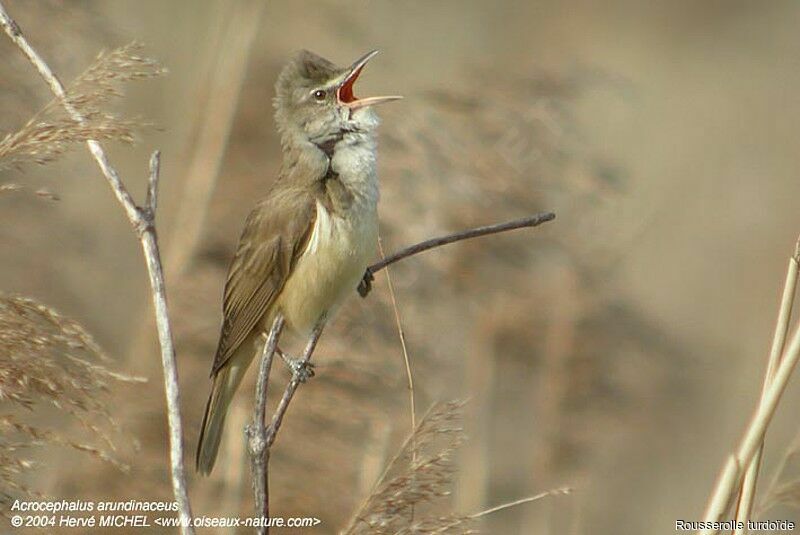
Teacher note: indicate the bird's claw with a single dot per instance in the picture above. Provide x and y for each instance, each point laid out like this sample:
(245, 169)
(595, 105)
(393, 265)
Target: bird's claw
(302, 370)
(365, 285)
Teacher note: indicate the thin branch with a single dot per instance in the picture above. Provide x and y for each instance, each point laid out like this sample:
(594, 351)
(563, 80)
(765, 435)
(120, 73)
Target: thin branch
(297, 378)
(172, 388)
(151, 202)
(731, 475)
(142, 221)
(532, 221)
(256, 432)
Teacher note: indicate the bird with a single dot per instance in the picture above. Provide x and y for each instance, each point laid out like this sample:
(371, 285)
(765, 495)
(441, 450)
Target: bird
(306, 245)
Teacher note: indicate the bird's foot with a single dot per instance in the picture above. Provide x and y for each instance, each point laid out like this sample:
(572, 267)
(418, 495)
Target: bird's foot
(365, 285)
(301, 370)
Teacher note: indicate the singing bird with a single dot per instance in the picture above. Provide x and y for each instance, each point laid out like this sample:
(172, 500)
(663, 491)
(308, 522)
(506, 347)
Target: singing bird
(306, 245)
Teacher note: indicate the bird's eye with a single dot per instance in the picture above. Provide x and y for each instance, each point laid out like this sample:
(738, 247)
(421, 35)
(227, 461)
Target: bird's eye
(320, 95)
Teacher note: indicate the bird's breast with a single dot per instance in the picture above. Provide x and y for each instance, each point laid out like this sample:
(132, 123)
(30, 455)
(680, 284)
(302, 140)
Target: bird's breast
(339, 249)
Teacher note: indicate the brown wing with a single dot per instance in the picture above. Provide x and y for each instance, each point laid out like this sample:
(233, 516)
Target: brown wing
(275, 235)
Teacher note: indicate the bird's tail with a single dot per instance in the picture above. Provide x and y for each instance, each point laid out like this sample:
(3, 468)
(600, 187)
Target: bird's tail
(226, 381)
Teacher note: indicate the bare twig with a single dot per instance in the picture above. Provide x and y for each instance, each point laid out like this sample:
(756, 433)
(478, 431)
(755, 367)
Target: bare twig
(260, 440)
(256, 432)
(149, 239)
(731, 475)
(532, 221)
(142, 220)
(151, 201)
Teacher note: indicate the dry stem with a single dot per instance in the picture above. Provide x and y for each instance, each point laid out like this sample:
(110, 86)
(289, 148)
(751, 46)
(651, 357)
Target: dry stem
(563, 491)
(402, 335)
(142, 219)
(256, 432)
(406, 360)
(744, 507)
(779, 370)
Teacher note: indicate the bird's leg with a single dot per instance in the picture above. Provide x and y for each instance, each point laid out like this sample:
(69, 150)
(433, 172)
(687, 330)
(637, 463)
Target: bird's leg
(303, 371)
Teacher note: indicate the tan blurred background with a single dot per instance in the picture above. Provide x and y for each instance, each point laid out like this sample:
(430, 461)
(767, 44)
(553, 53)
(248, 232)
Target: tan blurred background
(618, 349)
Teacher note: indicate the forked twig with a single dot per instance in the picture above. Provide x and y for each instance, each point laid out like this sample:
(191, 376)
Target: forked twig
(261, 438)
(143, 221)
(256, 432)
(291, 388)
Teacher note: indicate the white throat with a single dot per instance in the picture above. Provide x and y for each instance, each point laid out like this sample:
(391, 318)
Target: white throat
(354, 161)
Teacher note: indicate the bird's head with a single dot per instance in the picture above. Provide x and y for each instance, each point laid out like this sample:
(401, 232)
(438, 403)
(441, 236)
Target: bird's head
(314, 99)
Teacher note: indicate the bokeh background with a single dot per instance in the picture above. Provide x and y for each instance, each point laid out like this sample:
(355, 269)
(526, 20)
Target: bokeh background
(618, 350)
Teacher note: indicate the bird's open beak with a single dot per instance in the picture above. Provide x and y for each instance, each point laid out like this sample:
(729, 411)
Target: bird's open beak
(345, 91)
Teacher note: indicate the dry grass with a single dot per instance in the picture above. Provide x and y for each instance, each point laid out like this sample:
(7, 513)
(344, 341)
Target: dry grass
(51, 132)
(783, 487)
(407, 497)
(51, 370)
(53, 375)
(787, 493)
(414, 494)
(739, 474)
(42, 193)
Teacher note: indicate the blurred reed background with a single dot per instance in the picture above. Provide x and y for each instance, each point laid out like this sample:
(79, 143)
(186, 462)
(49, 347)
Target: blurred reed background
(618, 350)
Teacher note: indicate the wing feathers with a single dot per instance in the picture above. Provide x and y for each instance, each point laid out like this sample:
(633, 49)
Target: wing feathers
(275, 234)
